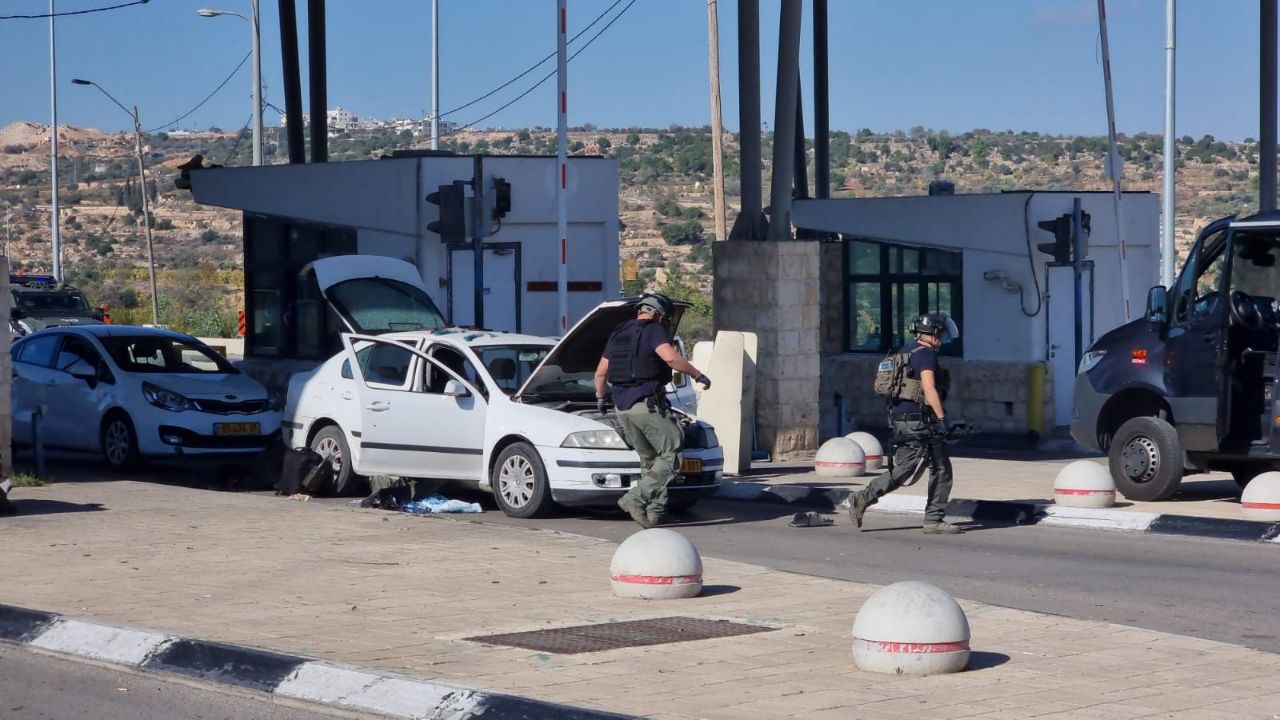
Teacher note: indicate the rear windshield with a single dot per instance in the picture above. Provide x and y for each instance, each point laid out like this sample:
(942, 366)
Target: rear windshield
(52, 302)
(153, 354)
(377, 305)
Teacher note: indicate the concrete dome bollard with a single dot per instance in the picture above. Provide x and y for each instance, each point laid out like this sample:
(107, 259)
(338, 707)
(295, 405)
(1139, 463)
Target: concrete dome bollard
(1261, 497)
(656, 564)
(911, 628)
(1084, 484)
(840, 457)
(871, 448)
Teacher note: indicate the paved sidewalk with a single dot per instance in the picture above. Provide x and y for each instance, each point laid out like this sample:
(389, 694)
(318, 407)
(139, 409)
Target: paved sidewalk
(1022, 477)
(400, 592)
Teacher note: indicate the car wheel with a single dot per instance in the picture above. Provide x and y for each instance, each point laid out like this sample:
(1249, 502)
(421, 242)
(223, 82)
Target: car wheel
(119, 442)
(331, 443)
(1146, 459)
(520, 482)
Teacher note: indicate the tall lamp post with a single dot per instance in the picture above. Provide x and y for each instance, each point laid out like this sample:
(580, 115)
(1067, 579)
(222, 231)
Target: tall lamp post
(257, 72)
(146, 201)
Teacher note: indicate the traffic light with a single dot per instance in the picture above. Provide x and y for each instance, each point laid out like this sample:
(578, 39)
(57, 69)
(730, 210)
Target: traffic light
(452, 223)
(501, 198)
(1060, 248)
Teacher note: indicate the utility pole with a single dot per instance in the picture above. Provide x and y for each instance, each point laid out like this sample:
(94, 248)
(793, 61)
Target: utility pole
(435, 74)
(717, 126)
(784, 123)
(1113, 163)
(146, 217)
(1169, 253)
(257, 88)
(55, 236)
(1267, 106)
(562, 157)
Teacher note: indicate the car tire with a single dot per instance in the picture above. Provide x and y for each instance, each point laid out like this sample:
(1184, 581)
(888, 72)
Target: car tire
(1146, 459)
(331, 442)
(520, 484)
(119, 442)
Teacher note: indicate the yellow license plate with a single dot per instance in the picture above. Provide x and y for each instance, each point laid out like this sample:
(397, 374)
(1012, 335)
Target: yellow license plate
(691, 466)
(225, 429)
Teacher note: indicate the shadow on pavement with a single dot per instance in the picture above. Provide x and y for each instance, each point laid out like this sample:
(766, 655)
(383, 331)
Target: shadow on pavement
(712, 590)
(24, 506)
(983, 660)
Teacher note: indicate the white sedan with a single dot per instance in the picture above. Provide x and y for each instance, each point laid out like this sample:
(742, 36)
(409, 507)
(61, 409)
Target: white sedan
(135, 393)
(506, 413)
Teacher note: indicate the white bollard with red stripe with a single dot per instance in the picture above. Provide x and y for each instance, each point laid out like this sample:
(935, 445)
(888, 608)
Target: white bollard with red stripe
(656, 564)
(911, 628)
(1084, 484)
(871, 448)
(840, 457)
(1261, 497)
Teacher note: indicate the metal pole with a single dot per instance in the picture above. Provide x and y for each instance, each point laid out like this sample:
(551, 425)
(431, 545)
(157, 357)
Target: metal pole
(784, 119)
(717, 122)
(748, 224)
(800, 188)
(317, 63)
(1168, 254)
(821, 104)
(56, 235)
(292, 81)
(562, 158)
(1115, 171)
(257, 87)
(478, 234)
(1077, 263)
(435, 75)
(146, 218)
(1267, 106)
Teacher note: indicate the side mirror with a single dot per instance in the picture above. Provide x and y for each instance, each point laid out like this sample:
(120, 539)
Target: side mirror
(453, 388)
(1157, 306)
(677, 379)
(82, 370)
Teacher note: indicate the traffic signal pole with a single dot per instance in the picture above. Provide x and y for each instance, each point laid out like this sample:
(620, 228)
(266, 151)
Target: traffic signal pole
(1077, 265)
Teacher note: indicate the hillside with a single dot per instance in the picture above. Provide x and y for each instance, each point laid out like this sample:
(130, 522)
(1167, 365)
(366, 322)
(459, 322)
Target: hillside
(665, 194)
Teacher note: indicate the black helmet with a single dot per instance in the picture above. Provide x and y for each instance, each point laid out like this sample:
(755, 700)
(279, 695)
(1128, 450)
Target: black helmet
(936, 324)
(656, 303)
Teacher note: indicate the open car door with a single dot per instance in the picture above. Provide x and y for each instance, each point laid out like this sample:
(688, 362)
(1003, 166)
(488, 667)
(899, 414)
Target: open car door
(412, 424)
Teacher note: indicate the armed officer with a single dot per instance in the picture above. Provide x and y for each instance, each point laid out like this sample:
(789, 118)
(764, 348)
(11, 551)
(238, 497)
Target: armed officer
(637, 365)
(915, 386)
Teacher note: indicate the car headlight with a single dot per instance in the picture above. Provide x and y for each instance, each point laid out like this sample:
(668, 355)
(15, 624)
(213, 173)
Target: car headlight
(275, 400)
(166, 399)
(1090, 360)
(595, 440)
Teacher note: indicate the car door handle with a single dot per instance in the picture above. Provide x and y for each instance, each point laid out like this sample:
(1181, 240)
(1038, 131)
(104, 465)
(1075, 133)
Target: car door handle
(378, 406)
(345, 395)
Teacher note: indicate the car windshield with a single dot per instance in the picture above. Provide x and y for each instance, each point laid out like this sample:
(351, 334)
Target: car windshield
(157, 354)
(36, 303)
(376, 305)
(511, 365)
(1253, 267)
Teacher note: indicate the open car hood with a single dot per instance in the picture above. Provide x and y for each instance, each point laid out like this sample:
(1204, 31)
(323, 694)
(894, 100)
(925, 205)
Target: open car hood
(373, 294)
(568, 371)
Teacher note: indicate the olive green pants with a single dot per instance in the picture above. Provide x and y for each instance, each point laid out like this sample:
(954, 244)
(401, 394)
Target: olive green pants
(914, 441)
(657, 439)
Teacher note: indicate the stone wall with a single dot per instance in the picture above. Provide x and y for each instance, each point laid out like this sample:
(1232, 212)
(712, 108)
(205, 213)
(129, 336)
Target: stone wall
(992, 395)
(772, 289)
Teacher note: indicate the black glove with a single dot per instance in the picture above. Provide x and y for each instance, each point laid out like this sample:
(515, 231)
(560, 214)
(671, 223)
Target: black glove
(600, 405)
(704, 381)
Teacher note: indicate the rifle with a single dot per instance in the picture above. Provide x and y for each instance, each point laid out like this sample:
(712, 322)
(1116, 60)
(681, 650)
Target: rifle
(951, 433)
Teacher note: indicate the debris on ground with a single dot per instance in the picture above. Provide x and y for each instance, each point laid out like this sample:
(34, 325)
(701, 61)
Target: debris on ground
(303, 497)
(810, 519)
(440, 504)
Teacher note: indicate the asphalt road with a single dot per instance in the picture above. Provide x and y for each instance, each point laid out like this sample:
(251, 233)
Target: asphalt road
(1215, 589)
(34, 686)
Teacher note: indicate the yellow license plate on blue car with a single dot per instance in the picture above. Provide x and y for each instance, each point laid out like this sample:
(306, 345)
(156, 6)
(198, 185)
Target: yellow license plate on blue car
(235, 429)
(691, 466)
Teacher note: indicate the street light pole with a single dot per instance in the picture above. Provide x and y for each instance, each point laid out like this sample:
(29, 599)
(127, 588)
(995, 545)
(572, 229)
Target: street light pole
(146, 200)
(56, 235)
(254, 29)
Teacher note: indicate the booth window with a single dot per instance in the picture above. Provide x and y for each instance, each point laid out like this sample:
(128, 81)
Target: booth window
(888, 286)
(287, 316)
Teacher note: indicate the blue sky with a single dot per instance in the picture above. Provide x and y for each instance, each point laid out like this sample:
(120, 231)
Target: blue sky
(997, 64)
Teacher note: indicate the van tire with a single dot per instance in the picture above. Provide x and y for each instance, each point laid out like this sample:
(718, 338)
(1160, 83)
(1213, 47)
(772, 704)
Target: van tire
(1146, 459)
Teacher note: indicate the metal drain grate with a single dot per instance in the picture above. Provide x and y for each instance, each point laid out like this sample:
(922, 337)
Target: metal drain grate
(615, 635)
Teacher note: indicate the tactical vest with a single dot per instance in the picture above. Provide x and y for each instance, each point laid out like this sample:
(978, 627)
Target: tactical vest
(892, 381)
(629, 364)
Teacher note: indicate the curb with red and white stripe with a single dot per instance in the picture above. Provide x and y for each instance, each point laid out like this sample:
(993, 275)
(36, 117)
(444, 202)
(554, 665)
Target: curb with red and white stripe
(1015, 512)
